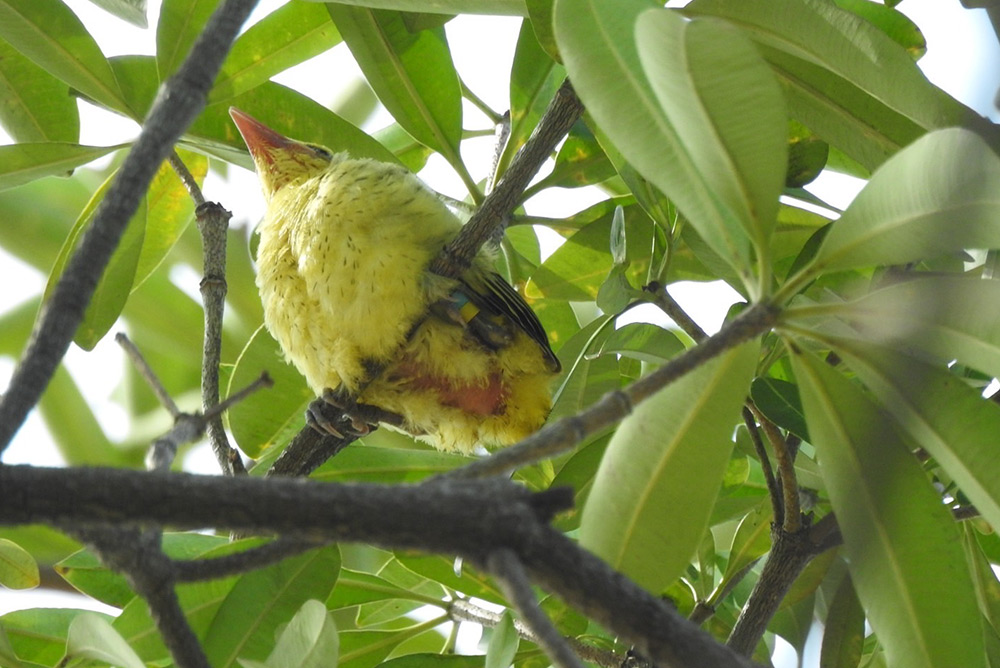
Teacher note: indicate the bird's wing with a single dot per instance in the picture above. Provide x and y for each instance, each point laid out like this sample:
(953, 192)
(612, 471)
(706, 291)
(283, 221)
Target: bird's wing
(496, 295)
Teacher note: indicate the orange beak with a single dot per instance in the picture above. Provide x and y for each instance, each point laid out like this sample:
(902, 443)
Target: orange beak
(276, 156)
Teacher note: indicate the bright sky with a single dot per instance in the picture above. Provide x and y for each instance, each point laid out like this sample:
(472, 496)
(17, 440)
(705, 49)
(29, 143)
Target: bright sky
(963, 58)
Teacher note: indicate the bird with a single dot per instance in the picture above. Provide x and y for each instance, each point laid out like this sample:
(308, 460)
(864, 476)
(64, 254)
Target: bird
(342, 270)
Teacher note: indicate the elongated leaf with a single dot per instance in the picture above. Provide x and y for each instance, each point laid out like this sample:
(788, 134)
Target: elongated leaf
(291, 34)
(503, 643)
(133, 11)
(23, 163)
(671, 453)
(941, 194)
(938, 411)
(844, 629)
(54, 38)
(264, 418)
(585, 377)
(894, 23)
(411, 73)
(779, 401)
(619, 57)
(309, 641)
(386, 465)
(18, 569)
(751, 541)
(949, 317)
(34, 105)
(576, 270)
(903, 547)
(534, 79)
(491, 7)
(245, 623)
(643, 341)
(180, 23)
(116, 282)
(92, 637)
(39, 634)
(728, 111)
(844, 78)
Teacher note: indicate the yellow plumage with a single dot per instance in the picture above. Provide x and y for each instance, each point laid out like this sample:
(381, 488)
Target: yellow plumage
(342, 272)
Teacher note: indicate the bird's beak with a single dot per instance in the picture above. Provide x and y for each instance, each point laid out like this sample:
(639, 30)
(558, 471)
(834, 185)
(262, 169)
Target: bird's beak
(272, 152)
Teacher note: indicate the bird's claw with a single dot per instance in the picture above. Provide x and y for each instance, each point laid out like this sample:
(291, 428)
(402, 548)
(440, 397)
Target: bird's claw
(336, 413)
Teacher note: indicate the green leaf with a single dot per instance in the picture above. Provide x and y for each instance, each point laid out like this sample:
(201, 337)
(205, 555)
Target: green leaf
(309, 641)
(361, 463)
(260, 601)
(91, 636)
(939, 411)
(843, 77)
(751, 541)
(354, 588)
(38, 635)
(179, 25)
(779, 401)
(644, 342)
(133, 11)
(949, 317)
(580, 162)
(728, 111)
(434, 661)
(74, 428)
(34, 105)
(534, 79)
(288, 36)
(940, 194)
(722, 161)
(271, 415)
(8, 658)
(585, 377)
(671, 453)
(51, 35)
(576, 270)
(844, 629)
(23, 163)
(490, 7)
(892, 22)
(411, 73)
(116, 282)
(18, 569)
(902, 546)
(503, 643)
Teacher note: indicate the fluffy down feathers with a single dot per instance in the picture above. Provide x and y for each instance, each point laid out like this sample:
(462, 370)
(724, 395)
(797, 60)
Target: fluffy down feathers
(344, 248)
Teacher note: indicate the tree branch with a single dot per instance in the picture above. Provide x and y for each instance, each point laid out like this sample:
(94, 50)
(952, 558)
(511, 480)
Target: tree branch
(491, 218)
(510, 575)
(180, 100)
(469, 518)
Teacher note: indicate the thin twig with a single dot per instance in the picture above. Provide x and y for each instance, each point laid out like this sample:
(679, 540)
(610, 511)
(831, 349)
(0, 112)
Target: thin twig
(263, 381)
(774, 490)
(181, 99)
(187, 178)
(510, 575)
(463, 610)
(563, 434)
(658, 295)
(791, 521)
(147, 374)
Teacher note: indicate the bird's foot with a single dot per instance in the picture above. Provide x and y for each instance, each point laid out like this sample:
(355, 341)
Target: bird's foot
(339, 414)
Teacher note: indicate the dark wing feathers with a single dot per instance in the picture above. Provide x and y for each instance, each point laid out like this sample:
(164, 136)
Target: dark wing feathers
(498, 296)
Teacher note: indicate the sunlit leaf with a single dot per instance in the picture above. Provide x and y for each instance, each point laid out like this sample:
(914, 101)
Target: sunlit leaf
(18, 569)
(34, 105)
(92, 637)
(902, 545)
(23, 163)
(671, 452)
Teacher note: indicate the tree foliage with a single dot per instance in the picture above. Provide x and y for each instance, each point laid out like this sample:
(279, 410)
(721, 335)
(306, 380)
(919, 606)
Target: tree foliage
(826, 457)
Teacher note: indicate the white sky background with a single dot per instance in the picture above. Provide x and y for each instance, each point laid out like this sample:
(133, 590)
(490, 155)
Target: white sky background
(963, 58)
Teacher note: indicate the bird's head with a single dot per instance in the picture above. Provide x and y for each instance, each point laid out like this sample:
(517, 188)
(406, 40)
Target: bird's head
(279, 159)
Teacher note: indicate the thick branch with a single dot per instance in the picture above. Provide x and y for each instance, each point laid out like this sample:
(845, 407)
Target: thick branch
(180, 100)
(468, 518)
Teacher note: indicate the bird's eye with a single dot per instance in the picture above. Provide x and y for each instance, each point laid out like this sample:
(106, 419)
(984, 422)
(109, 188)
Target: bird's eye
(321, 152)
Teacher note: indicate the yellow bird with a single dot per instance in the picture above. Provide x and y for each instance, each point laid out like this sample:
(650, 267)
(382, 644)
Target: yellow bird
(342, 271)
